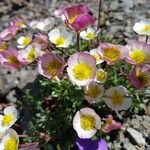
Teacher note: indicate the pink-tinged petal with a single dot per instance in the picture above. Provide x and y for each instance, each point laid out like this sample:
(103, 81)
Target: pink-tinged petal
(18, 22)
(110, 124)
(50, 61)
(82, 22)
(9, 59)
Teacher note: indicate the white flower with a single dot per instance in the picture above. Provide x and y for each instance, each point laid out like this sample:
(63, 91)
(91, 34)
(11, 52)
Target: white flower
(101, 76)
(93, 92)
(8, 119)
(86, 123)
(142, 27)
(29, 54)
(98, 58)
(88, 34)
(61, 38)
(116, 98)
(9, 140)
(43, 25)
(81, 68)
(24, 41)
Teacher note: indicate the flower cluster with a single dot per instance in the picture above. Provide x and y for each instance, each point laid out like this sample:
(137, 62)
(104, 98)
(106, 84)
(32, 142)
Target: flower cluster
(86, 69)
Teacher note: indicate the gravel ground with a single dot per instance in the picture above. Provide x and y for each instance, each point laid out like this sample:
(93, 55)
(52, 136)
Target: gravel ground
(117, 19)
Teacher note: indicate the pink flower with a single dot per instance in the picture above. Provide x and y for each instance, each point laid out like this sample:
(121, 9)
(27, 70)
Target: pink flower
(138, 52)
(140, 76)
(40, 40)
(8, 33)
(18, 22)
(111, 53)
(50, 66)
(110, 124)
(9, 58)
(78, 17)
(3, 46)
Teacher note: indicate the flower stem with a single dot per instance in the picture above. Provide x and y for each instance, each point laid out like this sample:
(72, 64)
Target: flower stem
(78, 41)
(146, 40)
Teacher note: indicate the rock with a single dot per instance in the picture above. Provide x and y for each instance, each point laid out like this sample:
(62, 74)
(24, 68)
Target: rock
(127, 145)
(11, 96)
(136, 137)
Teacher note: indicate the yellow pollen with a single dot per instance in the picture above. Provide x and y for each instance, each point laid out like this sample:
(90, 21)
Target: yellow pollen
(90, 35)
(59, 41)
(117, 98)
(137, 56)
(13, 60)
(111, 54)
(109, 121)
(93, 91)
(72, 19)
(7, 120)
(11, 144)
(3, 47)
(53, 67)
(26, 41)
(82, 71)
(96, 56)
(32, 54)
(101, 75)
(147, 28)
(87, 122)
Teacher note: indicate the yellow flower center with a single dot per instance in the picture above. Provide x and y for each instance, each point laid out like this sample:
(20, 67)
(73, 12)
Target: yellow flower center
(26, 41)
(147, 28)
(143, 77)
(109, 121)
(87, 122)
(82, 71)
(3, 47)
(7, 120)
(112, 54)
(13, 60)
(93, 91)
(53, 67)
(72, 19)
(101, 75)
(137, 56)
(90, 35)
(59, 41)
(11, 144)
(96, 56)
(117, 98)
(31, 54)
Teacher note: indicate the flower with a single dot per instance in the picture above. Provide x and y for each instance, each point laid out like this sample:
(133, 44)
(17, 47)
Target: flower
(111, 53)
(24, 41)
(78, 17)
(89, 144)
(140, 76)
(3, 46)
(116, 98)
(142, 27)
(40, 40)
(81, 68)
(8, 33)
(98, 58)
(9, 140)
(88, 34)
(9, 58)
(18, 22)
(8, 119)
(86, 123)
(61, 38)
(101, 76)
(93, 92)
(50, 66)
(29, 54)
(110, 124)
(138, 53)
(43, 24)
